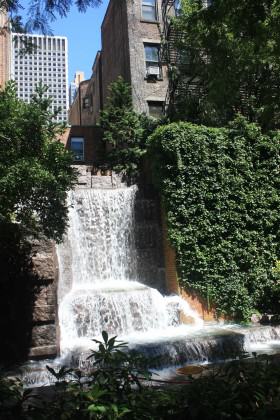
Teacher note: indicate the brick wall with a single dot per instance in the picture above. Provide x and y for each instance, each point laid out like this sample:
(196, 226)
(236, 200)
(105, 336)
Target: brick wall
(115, 45)
(5, 48)
(139, 33)
(96, 88)
(93, 146)
(123, 36)
(75, 111)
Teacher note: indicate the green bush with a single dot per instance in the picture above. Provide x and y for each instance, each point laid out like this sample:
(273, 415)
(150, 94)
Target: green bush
(220, 190)
(114, 389)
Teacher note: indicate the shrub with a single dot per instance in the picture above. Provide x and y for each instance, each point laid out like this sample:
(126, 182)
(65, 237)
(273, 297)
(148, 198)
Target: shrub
(220, 190)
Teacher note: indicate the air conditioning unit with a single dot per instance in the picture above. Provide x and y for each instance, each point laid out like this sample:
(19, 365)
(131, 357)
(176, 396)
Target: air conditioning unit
(153, 71)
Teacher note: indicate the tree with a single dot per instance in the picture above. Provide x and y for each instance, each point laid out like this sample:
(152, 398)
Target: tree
(229, 61)
(41, 12)
(123, 130)
(35, 169)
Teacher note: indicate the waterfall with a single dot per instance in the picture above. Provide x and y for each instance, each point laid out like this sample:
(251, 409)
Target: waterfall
(101, 287)
(100, 276)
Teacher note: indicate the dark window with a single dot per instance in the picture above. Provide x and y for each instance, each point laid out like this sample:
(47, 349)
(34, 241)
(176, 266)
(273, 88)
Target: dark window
(87, 102)
(149, 10)
(153, 68)
(77, 147)
(155, 109)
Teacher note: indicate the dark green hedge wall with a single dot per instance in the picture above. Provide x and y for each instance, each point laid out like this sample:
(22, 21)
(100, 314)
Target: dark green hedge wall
(220, 190)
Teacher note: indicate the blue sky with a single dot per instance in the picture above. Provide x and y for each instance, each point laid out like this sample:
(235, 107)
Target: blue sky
(83, 33)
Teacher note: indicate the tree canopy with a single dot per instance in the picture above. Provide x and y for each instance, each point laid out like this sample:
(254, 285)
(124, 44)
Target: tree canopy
(35, 168)
(41, 12)
(229, 61)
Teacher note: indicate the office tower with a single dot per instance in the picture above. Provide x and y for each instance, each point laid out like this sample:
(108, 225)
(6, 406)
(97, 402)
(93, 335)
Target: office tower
(47, 63)
(78, 78)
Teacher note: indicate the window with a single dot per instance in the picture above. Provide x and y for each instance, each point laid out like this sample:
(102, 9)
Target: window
(77, 147)
(155, 109)
(87, 102)
(153, 69)
(149, 10)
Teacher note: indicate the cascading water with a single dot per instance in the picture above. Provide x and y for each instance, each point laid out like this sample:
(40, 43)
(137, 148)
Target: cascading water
(100, 276)
(100, 288)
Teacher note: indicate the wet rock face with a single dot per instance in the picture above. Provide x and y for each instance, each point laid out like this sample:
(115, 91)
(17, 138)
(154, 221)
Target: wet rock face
(44, 314)
(148, 237)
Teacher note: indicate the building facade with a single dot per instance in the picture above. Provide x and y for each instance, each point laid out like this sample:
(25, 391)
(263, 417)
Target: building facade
(131, 35)
(5, 49)
(88, 99)
(47, 64)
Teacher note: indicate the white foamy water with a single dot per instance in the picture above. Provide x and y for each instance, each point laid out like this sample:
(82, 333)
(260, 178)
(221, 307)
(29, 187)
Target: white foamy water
(100, 280)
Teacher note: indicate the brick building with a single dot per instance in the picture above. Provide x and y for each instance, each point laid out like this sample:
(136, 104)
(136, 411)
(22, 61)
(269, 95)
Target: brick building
(88, 99)
(5, 49)
(131, 44)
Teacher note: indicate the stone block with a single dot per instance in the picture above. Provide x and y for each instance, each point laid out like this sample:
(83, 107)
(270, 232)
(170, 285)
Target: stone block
(255, 318)
(43, 335)
(43, 246)
(46, 295)
(43, 351)
(44, 313)
(43, 266)
(44, 258)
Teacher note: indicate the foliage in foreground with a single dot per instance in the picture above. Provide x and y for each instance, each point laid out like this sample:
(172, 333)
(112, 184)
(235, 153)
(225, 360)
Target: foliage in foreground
(35, 175)
(230, 53)
(35, 168)
(39, 13)
(220, 189)
(114, 389)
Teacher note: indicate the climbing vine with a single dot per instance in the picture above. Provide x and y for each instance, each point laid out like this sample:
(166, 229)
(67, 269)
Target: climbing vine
(220, 190)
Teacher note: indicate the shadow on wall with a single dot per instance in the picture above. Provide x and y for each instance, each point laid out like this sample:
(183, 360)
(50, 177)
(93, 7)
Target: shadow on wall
(17, 294)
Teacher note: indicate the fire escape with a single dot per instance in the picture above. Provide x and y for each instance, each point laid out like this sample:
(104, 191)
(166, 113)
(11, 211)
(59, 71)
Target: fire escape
(183, 82)
(170, 53)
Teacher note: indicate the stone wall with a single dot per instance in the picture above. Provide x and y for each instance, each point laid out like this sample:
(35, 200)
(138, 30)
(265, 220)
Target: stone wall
(148, 237)
(44, 340)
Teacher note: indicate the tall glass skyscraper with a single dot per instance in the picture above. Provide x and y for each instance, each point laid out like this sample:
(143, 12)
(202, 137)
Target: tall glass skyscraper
(47, 63)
